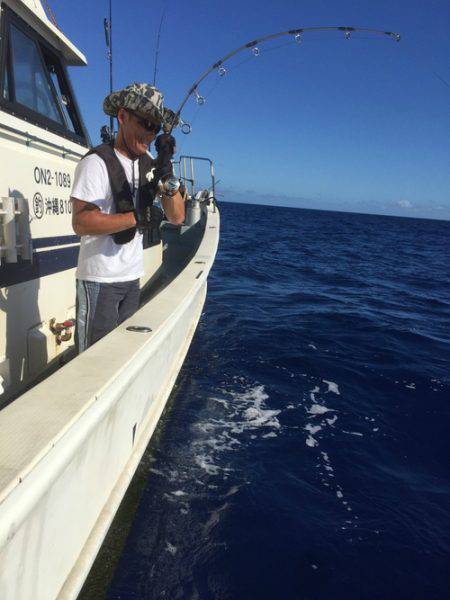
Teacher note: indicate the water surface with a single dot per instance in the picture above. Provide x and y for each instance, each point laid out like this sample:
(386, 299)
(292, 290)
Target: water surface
(305, 450)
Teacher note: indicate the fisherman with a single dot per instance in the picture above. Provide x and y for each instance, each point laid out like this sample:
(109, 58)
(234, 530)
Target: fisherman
(112, 198)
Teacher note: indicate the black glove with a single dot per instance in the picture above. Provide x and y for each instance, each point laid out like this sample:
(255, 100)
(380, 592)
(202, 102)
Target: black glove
(163, 172)
(148, 218)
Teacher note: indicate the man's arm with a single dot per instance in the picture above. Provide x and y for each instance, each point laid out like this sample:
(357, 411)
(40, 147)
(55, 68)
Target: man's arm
(88, 219)
(174, 208)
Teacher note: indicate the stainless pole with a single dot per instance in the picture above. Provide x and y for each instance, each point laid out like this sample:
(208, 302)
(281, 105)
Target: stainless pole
(192, 175)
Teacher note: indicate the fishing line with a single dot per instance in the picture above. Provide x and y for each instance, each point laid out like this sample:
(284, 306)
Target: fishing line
(441, 79)
(243, 62)
(285, 45)
(214, 88)
(197, 110)
(209, 92)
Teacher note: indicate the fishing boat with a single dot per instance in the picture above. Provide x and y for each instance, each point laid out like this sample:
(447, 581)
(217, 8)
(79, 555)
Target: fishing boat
(73, 428)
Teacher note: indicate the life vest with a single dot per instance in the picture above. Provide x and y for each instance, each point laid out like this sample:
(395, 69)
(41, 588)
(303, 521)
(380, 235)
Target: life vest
(120, 188)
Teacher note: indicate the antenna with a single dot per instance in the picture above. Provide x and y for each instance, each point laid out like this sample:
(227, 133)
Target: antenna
(107, 23)
(51, 14)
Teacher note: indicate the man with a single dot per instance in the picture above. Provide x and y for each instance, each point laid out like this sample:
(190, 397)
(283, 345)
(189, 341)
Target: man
(112, 199)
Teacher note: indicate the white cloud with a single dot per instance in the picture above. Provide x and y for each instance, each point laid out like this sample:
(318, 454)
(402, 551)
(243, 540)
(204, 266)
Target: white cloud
(404, 203)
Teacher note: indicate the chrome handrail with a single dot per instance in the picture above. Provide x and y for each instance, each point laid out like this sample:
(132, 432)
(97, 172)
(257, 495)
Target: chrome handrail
(182, 162)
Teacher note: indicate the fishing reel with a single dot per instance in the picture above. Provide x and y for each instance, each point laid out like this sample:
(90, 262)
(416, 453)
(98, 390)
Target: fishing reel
(169, 186)
(106, 134)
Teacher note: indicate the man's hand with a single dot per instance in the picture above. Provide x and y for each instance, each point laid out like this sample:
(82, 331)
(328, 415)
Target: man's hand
(174, 208)
(172, 201)
(148, 218)
(88, 219)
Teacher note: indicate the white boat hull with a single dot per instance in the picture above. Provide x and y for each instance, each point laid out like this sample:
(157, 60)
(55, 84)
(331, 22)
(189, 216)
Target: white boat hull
(69, 447)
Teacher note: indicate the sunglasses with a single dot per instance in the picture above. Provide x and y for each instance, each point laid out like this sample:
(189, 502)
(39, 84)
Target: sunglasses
(145, 124)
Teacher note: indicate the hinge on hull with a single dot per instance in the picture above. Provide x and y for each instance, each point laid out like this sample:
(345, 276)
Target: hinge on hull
(62, 331)
(15, 238)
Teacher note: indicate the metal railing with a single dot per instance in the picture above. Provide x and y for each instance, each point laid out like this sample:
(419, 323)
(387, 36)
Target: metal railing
(188, 175)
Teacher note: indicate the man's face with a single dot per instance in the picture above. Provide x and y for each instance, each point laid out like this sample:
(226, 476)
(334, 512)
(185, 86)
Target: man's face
(136, 130)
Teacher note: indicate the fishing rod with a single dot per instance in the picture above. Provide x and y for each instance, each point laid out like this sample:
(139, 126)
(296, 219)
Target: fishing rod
(297, 34)
(155, 70)
(107, 24)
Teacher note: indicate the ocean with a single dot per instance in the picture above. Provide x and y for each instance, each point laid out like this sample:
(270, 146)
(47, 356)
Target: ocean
(304, 452)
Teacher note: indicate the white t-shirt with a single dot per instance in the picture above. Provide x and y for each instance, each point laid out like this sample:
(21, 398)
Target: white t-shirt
(100, 258)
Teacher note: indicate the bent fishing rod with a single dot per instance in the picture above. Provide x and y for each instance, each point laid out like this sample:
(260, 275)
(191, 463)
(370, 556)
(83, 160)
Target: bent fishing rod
(297, 34)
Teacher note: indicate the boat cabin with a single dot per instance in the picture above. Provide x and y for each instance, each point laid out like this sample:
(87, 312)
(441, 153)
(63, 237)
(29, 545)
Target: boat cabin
(42, 138)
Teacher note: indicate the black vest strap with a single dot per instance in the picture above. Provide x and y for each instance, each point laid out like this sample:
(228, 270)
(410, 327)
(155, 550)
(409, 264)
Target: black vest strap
(121, 191)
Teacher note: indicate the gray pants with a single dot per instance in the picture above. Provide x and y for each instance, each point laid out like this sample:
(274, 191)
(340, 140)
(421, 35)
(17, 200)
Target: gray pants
(101, 307)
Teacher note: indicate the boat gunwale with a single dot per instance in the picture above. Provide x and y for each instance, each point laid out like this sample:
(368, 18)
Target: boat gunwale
(33, 401)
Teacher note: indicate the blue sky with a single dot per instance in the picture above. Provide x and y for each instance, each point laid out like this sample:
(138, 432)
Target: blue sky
(357, 125)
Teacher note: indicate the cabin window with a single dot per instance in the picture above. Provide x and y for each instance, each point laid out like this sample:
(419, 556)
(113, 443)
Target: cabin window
(6, 86)
(31, 86)
(63, 95)
(6, 92)
(35, 83)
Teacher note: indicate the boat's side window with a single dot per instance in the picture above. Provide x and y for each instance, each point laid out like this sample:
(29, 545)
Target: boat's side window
(31, 86)
(6, 92)
(34, 81)
(6, 86)
(63, 93)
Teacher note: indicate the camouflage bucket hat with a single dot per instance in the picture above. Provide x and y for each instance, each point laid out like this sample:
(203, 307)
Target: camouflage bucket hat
(142, 98)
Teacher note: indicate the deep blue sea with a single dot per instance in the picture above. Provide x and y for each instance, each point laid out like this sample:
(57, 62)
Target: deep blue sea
(305, 451)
